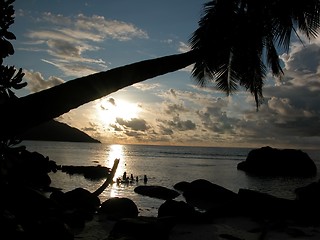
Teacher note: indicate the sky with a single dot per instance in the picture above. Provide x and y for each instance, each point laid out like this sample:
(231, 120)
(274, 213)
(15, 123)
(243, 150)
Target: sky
(60, 40)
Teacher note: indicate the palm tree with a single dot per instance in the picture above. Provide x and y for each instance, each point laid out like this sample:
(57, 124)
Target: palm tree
(236, 40)
(234, 45)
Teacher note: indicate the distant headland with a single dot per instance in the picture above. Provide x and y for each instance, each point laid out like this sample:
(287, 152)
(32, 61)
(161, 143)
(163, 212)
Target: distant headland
(57, 131)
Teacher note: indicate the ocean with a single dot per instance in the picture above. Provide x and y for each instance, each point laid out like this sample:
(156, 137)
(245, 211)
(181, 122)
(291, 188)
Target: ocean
(164, 166)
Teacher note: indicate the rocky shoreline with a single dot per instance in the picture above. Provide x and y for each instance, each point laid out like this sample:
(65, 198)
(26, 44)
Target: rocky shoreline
(208, 211)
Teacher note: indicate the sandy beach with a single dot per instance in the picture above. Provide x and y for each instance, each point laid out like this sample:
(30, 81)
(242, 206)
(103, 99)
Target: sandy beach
(226, 228)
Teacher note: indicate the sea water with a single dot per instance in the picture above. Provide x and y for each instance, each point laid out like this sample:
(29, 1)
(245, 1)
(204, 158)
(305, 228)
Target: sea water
(164, 166)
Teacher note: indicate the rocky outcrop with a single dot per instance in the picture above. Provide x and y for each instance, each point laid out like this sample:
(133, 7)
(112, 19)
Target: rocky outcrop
(90, 172)
(269, 161)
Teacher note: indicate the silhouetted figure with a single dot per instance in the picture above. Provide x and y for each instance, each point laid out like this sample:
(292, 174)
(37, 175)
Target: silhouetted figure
(124, 177)
(137, 179)
(132, 179)
(118, 181)
(145, 179)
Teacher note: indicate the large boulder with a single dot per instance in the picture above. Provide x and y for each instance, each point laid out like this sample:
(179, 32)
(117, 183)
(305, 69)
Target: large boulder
(309, 193)
(180, 211)
(157, 192)
(78, 198)
(262, 205)
(268, 161)
(117, 208)
(181, 186)
(205, 195)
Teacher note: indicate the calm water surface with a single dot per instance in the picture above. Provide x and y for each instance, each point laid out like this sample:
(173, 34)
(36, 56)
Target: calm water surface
(164, 165)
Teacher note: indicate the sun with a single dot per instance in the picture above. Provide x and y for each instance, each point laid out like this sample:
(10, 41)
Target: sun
(109, 109)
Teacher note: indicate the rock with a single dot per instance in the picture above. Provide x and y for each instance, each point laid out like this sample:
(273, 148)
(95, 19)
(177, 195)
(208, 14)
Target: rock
(157, 192)
(205, 195)
(89, 172)
(117, 208)
(180, 211)
(263, 205)
(78, 198)
(141, 228)
(51, 229)
(269, 161)
(309, 193)
(181, 186)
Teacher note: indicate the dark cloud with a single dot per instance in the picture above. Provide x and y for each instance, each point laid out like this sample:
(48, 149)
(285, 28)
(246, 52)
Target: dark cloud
(135, 124)
(112, 101)
(177, 124)
(92, 128)
(217, 121)
(116, 127)
(173, 92)
(173, 108)
(165, 130)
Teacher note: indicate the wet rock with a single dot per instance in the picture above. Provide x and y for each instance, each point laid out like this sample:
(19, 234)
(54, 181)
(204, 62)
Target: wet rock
(157, 192)
(89, 172)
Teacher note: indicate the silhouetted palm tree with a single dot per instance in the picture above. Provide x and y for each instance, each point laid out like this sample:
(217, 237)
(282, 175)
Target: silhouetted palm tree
(237, 40)
(234, 44)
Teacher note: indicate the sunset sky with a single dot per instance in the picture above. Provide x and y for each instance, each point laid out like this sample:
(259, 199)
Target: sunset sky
(60, 40)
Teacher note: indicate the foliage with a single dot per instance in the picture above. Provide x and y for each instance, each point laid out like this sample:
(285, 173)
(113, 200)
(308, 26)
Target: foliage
(238, 40)
(10, 78)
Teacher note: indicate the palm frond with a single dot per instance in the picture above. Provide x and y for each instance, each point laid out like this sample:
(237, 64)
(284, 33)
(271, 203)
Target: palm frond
(238, 40)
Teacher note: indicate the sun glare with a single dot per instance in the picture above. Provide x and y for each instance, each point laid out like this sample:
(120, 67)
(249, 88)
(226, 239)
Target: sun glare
(116, 151)
(109, 110)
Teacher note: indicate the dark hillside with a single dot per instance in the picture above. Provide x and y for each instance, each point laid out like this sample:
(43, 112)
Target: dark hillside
(57, 131)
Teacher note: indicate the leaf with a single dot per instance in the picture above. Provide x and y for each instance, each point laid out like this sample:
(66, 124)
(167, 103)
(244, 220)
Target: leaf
(9, 35)
(19, 85)
(11, 94)
(18, 77)
(8, 48)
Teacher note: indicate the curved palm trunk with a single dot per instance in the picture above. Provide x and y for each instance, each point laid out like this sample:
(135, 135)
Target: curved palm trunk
(33, 109)
(109, 179)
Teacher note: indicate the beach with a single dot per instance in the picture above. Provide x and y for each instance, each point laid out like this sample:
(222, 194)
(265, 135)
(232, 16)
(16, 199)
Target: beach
(233, 228)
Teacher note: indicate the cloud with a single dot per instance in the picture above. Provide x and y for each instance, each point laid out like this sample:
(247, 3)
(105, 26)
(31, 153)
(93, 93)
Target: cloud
(183, 47)
(173, 108)
(146, 86)
(177, 124)
(135, 124)
(86, 25)
(70, 39)
(112, 101)
(36, 82)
